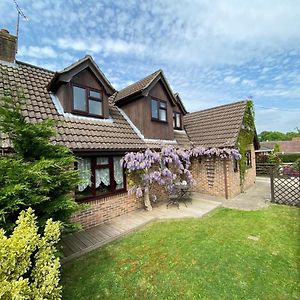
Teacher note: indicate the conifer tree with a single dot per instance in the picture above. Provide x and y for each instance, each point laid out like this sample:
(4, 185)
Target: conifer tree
(37, 173)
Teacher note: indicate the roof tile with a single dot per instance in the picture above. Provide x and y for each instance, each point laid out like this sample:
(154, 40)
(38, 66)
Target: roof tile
(216, 127)
(76, 133)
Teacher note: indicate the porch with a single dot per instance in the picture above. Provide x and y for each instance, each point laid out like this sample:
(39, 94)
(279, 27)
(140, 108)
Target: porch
(79, 243)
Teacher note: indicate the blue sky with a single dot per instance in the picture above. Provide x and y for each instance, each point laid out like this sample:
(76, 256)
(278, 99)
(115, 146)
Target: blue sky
(212, 52)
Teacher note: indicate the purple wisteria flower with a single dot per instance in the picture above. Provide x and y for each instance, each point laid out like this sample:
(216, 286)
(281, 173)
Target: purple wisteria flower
(168, 167)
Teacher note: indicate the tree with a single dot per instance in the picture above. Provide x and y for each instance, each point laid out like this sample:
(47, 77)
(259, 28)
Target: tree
(166, 168)
(276, 148)
(278, 136)
(29, 267)
(38, 174)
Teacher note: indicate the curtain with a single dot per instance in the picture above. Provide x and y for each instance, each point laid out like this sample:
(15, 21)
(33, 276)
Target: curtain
(84, 169)
(102, 175)
(118, 172)
(102, 160)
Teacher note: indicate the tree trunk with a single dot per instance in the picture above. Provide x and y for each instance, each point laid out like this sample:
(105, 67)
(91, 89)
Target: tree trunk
(147, 200)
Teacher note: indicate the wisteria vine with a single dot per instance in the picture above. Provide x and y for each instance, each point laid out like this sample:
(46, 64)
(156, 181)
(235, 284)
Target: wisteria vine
(168, 167)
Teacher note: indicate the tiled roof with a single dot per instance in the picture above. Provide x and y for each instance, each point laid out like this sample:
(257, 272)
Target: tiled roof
(216, 127)
(182, 138)
(136, 87)
(292, 146)
(180, 103)
(74, 132)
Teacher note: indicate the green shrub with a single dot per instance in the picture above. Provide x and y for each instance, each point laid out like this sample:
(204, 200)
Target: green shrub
(276, 148)
(38, 174)
(287, 158)
(29, 268)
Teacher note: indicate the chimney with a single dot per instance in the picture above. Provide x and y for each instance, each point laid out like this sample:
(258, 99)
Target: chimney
(7, 46)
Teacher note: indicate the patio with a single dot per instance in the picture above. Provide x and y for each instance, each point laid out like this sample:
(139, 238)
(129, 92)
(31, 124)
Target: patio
(79, 243)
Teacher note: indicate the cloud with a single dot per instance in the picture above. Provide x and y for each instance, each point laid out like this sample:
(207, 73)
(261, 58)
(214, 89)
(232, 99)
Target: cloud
(212, 52)
(231, 79)
(37, 52)
(276, 119)
(95, 45)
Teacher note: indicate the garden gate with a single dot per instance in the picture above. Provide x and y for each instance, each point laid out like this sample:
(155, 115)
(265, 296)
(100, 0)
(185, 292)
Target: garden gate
(285, 184)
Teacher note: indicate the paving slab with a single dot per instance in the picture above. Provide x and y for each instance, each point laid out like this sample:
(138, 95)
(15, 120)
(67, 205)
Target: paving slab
(79, 243)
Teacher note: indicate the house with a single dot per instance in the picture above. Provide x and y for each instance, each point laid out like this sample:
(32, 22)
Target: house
(285, 147)
(100, 124)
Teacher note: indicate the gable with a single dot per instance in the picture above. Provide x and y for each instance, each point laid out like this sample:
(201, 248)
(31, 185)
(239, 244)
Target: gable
(68, 73)
(159, 91)
(87, 78)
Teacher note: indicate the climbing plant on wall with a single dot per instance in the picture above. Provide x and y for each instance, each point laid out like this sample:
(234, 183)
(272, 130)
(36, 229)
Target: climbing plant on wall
(245, 138)
(168, 167)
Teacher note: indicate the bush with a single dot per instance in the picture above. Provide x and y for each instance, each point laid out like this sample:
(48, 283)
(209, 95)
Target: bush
(38, 174)
(29, 268)
(271, 158)
(287, 158)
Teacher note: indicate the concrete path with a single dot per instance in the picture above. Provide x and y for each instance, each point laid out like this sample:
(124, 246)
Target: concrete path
(79, 243)
(256, 197)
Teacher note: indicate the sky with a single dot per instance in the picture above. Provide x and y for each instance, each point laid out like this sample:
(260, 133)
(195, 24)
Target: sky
(212, 52)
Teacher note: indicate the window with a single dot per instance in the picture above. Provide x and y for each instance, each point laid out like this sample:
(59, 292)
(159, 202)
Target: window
(159, 110)
(248, 159)
(87, 101)
(177, 120)
(100, 176)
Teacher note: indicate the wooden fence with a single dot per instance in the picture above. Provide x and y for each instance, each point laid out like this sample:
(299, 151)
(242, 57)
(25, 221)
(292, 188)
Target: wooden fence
(264, 169)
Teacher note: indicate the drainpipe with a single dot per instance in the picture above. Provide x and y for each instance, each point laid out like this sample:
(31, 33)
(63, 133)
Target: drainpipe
(225, 179)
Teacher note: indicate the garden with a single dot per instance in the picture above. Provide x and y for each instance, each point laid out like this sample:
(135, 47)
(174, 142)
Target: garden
(228, 254)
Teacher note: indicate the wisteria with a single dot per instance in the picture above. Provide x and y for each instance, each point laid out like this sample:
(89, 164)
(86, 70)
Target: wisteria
(218, 152)
(167, 168)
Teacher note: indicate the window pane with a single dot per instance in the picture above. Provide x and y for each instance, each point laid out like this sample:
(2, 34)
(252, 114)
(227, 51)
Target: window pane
(102, 181)
(79, 98)
(162, 115)
(102, 160)
(178, 120)
(84, 170)
(163, 104)
(95, 107)
(118, 173)
(95, 94)
(154, 105)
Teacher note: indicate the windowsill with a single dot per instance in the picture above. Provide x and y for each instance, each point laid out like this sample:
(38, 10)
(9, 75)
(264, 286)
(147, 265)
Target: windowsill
(177, 128)
(82, 113)
(92, 198)
(159, 121)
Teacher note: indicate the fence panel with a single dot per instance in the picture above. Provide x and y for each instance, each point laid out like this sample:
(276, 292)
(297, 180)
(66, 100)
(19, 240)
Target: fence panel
(264, 169)
(285, 184)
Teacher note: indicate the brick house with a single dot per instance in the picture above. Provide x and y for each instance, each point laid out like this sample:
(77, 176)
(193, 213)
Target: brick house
(100, 124)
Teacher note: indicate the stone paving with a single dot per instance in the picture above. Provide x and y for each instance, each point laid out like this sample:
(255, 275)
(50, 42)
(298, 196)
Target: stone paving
(256, 197)
(79, 243)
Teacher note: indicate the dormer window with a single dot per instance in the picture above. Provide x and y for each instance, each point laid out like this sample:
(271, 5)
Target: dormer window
(158, 110)
(177, 120)
(87, 101)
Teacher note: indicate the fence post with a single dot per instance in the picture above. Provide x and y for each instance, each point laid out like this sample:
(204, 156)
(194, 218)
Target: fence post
(272, 184)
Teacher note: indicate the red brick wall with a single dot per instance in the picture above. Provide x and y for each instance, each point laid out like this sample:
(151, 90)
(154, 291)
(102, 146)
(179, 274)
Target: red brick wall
(104, 209)
(209, 176)
(210, 179)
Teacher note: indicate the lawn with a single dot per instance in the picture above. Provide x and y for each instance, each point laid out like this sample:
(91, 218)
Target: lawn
(208, 258)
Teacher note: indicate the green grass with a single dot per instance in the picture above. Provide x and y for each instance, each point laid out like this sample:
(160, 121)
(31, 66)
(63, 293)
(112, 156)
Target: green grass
(208, 258)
